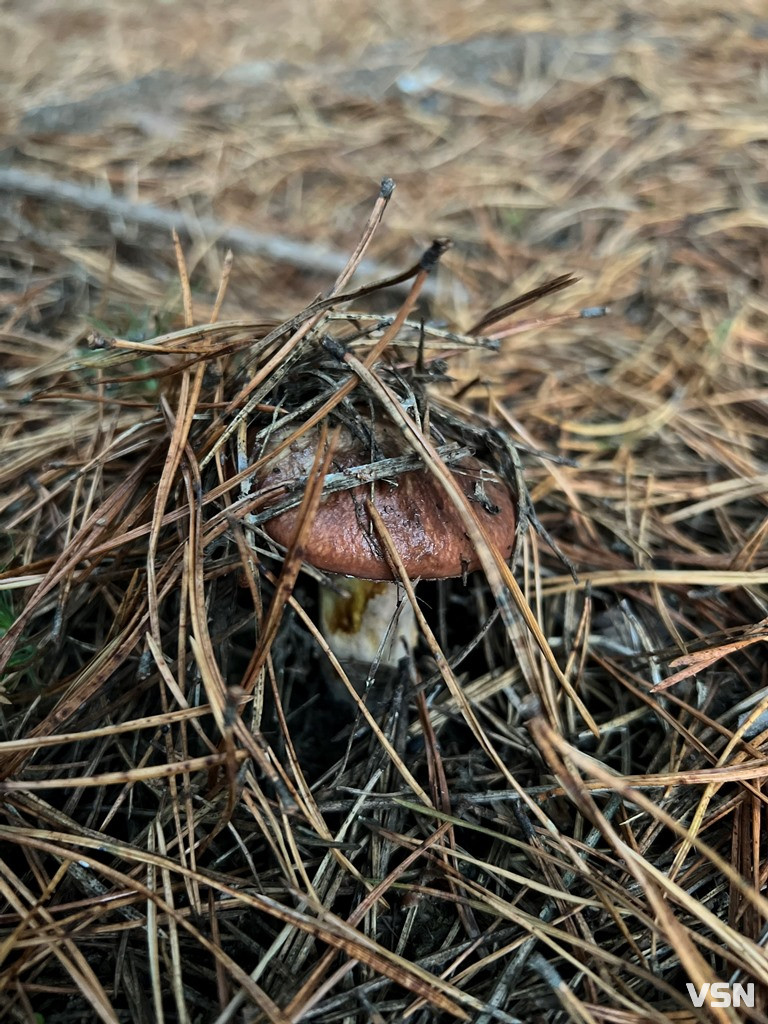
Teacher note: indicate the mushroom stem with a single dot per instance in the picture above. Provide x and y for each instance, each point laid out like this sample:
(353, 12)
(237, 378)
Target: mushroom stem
(369, 620)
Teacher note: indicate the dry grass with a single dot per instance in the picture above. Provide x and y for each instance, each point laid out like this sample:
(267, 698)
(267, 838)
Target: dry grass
(558, 813)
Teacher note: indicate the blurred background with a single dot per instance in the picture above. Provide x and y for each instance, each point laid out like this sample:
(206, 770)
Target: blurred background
(625, 143)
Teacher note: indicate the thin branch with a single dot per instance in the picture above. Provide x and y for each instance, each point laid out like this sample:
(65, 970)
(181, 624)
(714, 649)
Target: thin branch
(317, 259)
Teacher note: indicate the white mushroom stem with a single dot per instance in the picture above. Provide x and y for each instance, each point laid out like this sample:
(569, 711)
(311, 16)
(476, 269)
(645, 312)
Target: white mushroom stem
(374, 619)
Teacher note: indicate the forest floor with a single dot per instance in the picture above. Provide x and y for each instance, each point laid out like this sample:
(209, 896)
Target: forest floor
(558, 815)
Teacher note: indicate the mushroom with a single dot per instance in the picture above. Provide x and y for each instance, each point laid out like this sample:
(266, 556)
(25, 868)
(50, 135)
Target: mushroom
(358, 612)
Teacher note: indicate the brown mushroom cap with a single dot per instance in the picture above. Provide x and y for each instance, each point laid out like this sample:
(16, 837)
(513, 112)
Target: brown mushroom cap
(424, 524)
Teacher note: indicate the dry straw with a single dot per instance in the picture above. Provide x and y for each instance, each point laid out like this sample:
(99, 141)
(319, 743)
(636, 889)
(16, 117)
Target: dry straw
(558, 812)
